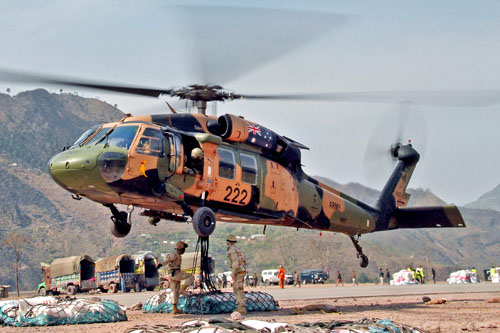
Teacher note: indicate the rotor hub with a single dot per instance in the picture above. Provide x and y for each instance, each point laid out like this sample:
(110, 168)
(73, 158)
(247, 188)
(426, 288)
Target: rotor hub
(205, 93)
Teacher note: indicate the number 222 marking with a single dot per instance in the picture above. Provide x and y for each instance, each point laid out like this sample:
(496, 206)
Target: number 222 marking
(236, 191)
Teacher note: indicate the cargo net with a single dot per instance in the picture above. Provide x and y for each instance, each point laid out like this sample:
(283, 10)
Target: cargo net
(48, 311)
(209, 303)
(221, 325)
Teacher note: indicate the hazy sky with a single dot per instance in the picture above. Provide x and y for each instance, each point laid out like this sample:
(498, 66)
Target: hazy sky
(360, 46)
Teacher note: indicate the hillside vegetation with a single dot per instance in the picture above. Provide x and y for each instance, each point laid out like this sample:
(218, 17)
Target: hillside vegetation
(35, 125)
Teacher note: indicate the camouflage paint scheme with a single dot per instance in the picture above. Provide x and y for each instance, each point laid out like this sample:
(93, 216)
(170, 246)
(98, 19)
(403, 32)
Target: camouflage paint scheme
(282, 193)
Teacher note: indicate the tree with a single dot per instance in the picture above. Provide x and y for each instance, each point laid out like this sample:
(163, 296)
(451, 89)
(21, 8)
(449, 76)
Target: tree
(16, 242)
(8, 90)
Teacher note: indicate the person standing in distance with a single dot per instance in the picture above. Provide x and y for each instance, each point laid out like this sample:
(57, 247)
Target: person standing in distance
(238, 266)
(173, 262)
(281, 277)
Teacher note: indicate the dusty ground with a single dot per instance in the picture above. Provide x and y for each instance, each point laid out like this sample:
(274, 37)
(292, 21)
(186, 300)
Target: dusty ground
(461, 313)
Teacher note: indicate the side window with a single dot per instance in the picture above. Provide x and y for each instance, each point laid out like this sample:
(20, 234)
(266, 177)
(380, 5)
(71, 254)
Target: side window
(249, 169)
(151, 143)
(226, 163)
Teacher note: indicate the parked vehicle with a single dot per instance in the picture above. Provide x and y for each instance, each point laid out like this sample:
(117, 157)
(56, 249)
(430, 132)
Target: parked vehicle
(288, 279)
(314, 276)
(112, 272)
(146, 272)
(229, 278)
(269, 276)
(70, 275)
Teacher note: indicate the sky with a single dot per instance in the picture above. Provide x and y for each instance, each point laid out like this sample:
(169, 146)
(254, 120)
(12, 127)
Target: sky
(292, 47)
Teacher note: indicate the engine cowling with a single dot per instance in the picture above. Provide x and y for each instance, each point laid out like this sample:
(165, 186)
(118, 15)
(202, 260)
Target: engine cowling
(237, 129)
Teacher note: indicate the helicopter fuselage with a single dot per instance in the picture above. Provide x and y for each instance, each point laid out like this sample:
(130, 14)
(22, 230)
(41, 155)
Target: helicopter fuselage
(147, 162)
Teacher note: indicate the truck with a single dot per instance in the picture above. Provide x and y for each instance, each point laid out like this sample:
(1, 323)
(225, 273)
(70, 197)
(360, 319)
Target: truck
(116, 272)
(314, 276)
(147, 276)
(269, 276)
(70, 275)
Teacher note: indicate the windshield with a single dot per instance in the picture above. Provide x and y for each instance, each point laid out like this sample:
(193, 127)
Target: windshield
(121, 136)
(84, 136)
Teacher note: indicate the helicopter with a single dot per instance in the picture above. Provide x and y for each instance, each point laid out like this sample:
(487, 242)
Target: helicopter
(199, 168)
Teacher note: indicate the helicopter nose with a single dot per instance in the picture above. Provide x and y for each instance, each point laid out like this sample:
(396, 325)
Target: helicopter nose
(72, 169)
(87, 171)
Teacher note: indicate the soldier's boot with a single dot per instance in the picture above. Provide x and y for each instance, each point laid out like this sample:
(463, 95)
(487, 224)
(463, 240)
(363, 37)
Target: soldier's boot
(175, 311)
(241, 309)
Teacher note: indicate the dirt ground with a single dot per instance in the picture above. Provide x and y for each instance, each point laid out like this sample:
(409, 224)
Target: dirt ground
(461, 313)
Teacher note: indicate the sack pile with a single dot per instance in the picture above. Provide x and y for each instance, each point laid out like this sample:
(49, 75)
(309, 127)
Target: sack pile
(48, 311)
(463, 276)
(402, 278)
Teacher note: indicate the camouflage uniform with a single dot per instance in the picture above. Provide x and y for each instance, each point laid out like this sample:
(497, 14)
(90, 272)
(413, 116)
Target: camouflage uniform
(238, 265)
(173, 264)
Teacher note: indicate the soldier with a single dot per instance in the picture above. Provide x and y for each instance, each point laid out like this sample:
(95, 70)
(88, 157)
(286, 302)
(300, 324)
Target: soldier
(238, 265)
(173, 263)
(296, 279)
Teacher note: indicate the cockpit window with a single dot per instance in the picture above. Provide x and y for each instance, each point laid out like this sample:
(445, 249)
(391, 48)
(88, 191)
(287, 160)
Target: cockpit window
(151, 143)
(88, 133)
(98, 136)
(121, 136)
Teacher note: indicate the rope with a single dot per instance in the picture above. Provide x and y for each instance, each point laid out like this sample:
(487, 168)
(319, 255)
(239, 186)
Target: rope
(206, 283)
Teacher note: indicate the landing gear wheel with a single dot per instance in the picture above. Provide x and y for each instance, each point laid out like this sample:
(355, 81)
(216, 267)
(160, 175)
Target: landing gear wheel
(120, 228)
(122, 221)
(363, 261)
(204, 221)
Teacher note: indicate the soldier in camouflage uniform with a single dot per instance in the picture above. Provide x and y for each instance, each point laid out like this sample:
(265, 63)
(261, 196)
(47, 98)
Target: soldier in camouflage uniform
(238, 265)
(173, 263)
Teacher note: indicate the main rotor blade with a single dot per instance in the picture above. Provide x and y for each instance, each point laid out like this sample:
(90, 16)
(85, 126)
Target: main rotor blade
(458, 98)
(22, 77)
(226, 42)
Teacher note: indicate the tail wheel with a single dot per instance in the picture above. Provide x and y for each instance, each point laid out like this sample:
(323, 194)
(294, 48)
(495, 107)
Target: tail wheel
(204, 221)
(363, 260)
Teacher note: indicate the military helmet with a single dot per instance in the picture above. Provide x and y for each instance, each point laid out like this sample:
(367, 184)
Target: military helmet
(181, 245)
(231, 238)
(196, 153)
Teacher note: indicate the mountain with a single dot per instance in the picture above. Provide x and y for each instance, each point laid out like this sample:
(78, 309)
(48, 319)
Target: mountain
(35, 125)
(489, 200)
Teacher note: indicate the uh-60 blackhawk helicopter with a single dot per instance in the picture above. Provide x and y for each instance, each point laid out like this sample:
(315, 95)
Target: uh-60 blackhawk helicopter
(183, 166)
